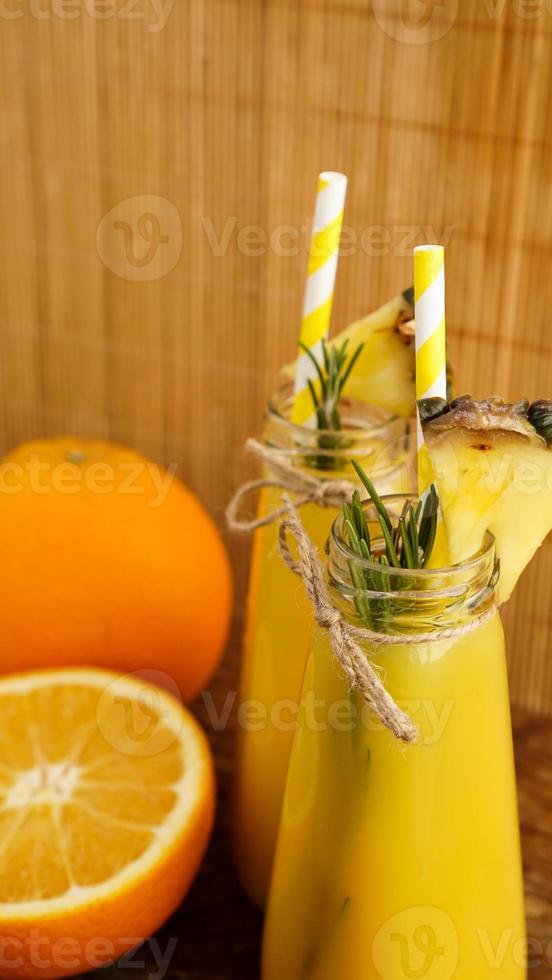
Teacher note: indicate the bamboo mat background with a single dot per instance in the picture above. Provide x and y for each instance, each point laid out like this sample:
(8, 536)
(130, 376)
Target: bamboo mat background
(226, 114)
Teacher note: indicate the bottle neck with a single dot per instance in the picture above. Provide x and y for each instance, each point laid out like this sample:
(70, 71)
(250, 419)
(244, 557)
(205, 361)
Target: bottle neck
(400, 600)
(382, 443)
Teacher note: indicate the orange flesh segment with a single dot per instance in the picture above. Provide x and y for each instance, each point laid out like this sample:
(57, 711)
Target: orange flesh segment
(79, 798)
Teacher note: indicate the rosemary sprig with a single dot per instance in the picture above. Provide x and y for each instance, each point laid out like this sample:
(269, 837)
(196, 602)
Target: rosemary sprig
(407, 543)
(332, 374)
(410, 542)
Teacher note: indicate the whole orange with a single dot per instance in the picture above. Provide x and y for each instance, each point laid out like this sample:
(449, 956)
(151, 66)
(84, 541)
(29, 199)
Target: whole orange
(108, 560)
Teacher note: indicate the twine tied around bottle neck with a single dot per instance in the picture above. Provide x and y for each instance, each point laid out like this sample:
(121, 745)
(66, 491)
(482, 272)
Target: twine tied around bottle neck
(284, 476)
(345, 638)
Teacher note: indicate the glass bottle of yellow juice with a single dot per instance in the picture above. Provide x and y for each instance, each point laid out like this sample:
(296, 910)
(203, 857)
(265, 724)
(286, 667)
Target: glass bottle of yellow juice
(397, 861)
(279, 621)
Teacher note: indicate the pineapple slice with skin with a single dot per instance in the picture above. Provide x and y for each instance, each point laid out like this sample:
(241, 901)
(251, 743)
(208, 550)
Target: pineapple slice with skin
(493, 469)
(384, 372)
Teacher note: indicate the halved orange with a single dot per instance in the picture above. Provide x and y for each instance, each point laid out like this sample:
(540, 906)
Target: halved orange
(106, 806)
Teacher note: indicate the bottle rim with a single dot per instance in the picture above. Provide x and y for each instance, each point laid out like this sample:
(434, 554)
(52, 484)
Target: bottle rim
(479, 571)
(384, 441)
(371, 418)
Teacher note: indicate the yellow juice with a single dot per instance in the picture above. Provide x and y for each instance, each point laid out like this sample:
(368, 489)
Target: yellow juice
(278, 637)
(397, 861)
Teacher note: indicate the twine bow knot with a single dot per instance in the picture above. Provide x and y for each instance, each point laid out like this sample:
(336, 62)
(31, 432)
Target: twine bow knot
(283, 475)
(343, 637)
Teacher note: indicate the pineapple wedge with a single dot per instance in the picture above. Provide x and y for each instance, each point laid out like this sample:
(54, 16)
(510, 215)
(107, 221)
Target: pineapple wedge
(384, 372)
(493, 469)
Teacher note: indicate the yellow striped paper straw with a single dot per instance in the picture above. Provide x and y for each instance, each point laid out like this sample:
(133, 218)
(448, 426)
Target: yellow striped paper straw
(431, 358)
(322, 267)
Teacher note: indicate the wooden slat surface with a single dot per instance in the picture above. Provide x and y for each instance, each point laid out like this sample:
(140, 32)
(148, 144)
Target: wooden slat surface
(227, 113)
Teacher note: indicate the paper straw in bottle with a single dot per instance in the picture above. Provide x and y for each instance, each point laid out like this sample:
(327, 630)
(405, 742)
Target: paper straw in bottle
(317, 306)
(431, 359)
